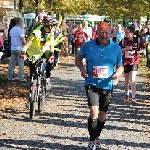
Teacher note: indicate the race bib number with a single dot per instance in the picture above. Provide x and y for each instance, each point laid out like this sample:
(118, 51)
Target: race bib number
(129, 54)
(100, 71)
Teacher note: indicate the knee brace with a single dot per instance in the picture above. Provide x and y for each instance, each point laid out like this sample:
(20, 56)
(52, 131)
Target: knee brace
(92, 125)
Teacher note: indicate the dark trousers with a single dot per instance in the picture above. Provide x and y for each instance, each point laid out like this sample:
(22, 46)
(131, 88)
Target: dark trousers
(73, 47)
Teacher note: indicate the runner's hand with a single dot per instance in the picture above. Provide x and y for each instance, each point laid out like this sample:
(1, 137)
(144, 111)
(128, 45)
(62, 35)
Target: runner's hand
(115, 79)
(84, 73)
(51, 59)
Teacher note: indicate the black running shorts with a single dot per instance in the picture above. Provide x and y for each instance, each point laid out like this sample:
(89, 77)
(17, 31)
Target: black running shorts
(98, 97)
(128, 68)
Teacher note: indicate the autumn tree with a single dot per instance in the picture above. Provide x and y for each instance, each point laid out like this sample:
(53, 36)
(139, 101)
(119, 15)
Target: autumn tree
(111, 8)
(69, 7)
(124, 8)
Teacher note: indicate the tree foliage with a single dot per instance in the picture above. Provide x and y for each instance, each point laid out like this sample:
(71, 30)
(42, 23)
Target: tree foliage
(124, 8)
(69, 7)
(112, 8)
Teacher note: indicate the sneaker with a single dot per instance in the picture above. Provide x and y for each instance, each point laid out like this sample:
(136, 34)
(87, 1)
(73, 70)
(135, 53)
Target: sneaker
(91, 145)
(98, 144)
(14, 79)
(23, 80)
(48, 84)
(126, 98)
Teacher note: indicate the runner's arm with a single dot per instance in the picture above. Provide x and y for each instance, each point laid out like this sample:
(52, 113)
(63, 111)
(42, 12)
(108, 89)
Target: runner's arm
(79, 63)
(119, 70)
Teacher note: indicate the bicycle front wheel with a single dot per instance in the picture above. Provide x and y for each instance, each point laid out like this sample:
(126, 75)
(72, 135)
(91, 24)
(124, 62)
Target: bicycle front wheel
(32, 109)
(33, 99)
(41, 97)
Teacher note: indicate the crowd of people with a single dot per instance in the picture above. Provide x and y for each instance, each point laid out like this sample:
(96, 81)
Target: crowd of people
(104, 48)
(118, 48)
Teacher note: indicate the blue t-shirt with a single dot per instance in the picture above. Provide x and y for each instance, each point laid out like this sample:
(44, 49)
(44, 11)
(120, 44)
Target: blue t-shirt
(119, 37)
(100, 62)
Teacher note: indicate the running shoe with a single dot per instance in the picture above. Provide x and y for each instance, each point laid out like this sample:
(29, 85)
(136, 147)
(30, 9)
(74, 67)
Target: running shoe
(98, 144)
(126, 98)
(91, 145)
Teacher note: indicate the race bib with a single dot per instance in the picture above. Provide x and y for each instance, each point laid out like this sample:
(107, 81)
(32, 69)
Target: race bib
(100, 71)
(129, 54)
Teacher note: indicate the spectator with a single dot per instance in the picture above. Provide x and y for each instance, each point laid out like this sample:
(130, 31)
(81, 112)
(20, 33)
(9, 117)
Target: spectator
(73, 44)
(79, 38)
(17, 41)
(35, 24)
(1, 47)
(148, 47)
(142, 42)
(87, 30)
(136, 26)
(94, 32)
(1, 43)
(118, 34)
(64, 28)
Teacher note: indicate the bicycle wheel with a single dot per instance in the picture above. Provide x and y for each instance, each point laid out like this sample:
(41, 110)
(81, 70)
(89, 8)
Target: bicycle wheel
(32, 109)
(33, 99)
(41, 97)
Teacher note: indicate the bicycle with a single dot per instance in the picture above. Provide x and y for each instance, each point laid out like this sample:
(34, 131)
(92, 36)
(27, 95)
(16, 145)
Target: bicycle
(37, 85)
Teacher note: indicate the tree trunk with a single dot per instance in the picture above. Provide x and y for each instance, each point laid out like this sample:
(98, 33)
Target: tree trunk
(147, 19)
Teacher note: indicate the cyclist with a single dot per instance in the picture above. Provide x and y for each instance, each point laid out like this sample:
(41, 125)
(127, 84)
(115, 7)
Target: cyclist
(101, 55)
(40, 43)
